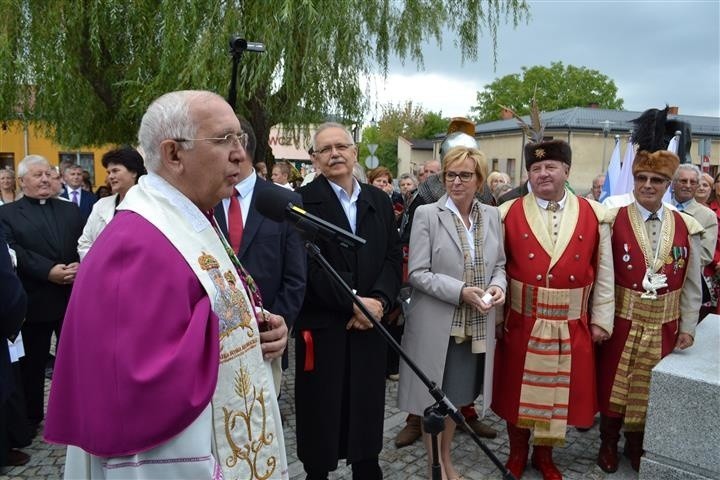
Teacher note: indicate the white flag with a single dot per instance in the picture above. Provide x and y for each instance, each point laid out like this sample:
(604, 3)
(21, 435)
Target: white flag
(625, 182)
(672, 147)
(613, 173)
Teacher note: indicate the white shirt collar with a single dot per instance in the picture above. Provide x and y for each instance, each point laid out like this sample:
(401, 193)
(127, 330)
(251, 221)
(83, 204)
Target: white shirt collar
(645, 213)
(246, 185)
(186, 208)
(544, 203)
(341, 193)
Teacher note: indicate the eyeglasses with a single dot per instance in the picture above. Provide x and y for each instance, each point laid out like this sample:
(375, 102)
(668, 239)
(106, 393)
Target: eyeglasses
(686, 181)
(340, 147)
(653, 180)
(464, 176)
(229, 139)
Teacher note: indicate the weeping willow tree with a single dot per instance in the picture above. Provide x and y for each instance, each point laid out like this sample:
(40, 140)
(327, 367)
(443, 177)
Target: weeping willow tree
(87, 69)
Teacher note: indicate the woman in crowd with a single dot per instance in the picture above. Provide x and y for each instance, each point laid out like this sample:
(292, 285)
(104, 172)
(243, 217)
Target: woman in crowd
(711, 271)
(494, 181)
(408, 183)
(705, 188)
(124, 168)
(381, 178)
(457, 270)
(8, 186)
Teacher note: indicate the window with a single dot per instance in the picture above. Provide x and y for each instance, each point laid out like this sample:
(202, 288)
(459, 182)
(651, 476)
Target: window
(84, 159)
(7, 160)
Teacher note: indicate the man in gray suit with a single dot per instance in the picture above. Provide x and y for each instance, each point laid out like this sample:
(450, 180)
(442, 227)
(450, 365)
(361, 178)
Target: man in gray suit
(684, 184)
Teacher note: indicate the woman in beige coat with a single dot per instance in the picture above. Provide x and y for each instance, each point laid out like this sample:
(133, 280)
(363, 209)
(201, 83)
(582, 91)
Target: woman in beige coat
(457, 270)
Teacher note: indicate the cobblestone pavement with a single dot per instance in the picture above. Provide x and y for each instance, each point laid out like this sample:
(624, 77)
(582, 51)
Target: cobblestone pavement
(576, 460)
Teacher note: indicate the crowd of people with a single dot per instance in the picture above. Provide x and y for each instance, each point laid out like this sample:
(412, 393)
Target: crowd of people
(172, 297)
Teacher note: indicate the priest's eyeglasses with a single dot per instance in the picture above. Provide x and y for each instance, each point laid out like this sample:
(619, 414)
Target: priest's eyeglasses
(231, 139)
(463, 176)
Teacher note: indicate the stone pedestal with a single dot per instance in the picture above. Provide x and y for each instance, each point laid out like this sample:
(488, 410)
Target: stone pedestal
(682, 435)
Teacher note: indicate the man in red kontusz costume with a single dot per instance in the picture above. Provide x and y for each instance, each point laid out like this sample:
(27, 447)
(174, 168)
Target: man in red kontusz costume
(656, 253)
(558, 255)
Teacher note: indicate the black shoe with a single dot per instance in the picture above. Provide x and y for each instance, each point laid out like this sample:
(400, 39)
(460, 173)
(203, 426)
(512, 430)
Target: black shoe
(16, 458)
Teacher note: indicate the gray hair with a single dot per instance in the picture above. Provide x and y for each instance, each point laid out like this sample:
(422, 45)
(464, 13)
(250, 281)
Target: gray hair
(690, 167)
(166, 118)
(408, 176)
(328, 125)
(29, 161)
(359, 173)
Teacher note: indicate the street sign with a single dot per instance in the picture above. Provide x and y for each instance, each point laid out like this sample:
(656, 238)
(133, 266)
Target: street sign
(372, 147)
(371, 161)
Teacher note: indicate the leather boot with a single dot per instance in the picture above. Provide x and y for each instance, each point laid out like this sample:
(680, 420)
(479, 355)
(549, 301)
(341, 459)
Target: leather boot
(633, 448)
(410, 432)
(542, 460)
(517, 460)
(607, 458)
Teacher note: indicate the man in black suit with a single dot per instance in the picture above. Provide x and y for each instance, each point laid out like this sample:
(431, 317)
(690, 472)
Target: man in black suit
(44, 232)
(13, 303)
(340, 361)
(271, 251)
(73, 177)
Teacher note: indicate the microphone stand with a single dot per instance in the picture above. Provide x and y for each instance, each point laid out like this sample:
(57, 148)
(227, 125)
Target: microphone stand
(433, 420)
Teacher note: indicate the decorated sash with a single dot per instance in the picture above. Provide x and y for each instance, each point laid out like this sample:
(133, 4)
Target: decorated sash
(642, 351)
(545, 388)
(643, 348)
(246, 424)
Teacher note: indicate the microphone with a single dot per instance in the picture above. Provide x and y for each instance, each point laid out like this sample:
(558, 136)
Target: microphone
(276, 204)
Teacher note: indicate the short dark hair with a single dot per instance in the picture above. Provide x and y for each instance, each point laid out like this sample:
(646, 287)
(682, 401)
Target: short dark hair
(251, 141)
(126, 156)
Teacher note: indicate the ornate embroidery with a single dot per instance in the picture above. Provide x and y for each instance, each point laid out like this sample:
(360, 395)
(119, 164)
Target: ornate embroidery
(249, 452)
(229, 306)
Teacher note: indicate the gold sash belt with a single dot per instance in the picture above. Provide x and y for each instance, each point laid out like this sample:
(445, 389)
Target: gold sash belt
(642, 351)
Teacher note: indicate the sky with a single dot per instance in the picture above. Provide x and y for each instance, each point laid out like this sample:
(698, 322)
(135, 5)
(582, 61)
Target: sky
(656, 52)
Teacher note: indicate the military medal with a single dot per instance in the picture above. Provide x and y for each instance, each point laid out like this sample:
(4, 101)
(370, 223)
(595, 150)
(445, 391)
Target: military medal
(626, 257)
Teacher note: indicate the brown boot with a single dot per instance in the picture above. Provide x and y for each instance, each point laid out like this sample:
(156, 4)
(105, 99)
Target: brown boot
(410, 432)
(542, 460)
(517, 460)
(633, 448)
(609, 435)
(480, 429)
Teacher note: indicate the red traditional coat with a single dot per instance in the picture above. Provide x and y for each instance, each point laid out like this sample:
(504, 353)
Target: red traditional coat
(573, 267)
(630, 268)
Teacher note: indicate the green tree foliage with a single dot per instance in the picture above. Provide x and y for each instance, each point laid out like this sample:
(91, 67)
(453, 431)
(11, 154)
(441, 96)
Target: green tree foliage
(557, 86)
(88, 68)
(406, 120)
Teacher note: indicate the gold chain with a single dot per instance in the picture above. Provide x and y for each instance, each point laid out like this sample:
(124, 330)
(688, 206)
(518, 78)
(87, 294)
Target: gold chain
(667, 231)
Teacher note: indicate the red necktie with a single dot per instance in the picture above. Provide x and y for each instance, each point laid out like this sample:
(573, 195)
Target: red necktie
(235, 223)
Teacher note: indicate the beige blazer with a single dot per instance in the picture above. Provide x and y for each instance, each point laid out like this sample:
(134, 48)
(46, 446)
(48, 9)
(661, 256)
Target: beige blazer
(708, 220)
(435, 267)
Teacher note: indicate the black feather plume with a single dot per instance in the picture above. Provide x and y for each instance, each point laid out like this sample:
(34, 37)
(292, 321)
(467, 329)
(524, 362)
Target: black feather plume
(649, 131)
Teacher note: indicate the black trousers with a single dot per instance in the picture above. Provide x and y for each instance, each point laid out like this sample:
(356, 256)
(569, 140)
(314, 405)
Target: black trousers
(368, 469)
(36, 339)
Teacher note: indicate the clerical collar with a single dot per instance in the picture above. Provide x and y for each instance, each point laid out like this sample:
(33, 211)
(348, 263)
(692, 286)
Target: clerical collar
(544, 203)
(36, 201)
(645, 213)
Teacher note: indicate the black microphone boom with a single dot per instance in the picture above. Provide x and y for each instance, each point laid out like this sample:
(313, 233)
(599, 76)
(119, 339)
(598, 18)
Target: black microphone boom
(276, 204)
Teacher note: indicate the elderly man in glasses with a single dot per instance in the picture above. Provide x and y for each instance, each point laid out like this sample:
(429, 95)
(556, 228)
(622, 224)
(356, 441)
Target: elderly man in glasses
(164, 366)
(340, 360)
(656, 252)
(558, 255)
